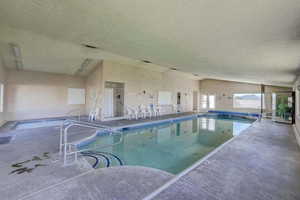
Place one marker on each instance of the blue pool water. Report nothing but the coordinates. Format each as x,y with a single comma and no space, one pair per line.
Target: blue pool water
38,124
170,147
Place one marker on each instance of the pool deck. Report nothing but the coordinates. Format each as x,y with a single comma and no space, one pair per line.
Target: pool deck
262,163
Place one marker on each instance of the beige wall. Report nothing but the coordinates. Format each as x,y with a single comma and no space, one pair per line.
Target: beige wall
3,81
31,95
94,87
224,91
139,79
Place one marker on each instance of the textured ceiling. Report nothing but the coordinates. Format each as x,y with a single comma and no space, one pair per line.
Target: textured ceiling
254,41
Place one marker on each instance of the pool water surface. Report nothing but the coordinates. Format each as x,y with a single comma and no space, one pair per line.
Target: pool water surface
171,147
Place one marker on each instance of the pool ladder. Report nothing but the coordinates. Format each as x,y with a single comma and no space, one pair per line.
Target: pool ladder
65,147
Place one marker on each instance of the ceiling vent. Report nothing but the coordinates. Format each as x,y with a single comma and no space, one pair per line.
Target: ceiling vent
90,46
146,61
173,68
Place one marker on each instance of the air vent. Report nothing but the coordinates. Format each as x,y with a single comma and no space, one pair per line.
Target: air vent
146,61
173,68
90,46
196,74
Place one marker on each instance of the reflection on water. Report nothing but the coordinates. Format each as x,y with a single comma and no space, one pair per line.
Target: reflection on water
208,123
172,147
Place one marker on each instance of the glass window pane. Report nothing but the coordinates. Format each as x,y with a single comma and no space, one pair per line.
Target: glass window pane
249,100
204,101
211,101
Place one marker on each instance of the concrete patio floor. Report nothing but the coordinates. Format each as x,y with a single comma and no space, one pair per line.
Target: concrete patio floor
263,163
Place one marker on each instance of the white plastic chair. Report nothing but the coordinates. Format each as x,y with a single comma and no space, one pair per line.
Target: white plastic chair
176,108
143,111
132,113
150,110
97,114
156,110
94,114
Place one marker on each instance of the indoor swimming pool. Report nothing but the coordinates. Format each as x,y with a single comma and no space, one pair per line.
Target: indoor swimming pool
171,147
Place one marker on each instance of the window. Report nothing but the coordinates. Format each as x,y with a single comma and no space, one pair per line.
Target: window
211,101
249,100
208,101
203,101
1,97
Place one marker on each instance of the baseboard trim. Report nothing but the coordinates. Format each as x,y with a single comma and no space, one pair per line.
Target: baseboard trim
297,134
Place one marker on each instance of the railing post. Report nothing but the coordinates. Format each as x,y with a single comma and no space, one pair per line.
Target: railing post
63,146
65,143
61,138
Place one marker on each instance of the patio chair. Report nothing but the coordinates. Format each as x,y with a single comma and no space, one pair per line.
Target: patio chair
143,111
94,114
153,110
132,113
175,108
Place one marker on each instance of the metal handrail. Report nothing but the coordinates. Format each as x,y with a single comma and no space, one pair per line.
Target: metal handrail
78,111
65,122
64,137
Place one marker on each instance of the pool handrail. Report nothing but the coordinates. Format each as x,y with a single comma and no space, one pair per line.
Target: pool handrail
78,111
61,142
64,137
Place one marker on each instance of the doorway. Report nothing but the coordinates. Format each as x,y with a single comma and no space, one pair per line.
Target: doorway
178,98
283,107
113,100
178,101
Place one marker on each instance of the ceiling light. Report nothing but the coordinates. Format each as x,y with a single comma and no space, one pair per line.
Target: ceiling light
17,55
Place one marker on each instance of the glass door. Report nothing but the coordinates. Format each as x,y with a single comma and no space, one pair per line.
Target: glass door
283,107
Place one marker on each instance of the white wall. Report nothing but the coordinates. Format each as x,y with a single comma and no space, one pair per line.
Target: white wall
3,81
